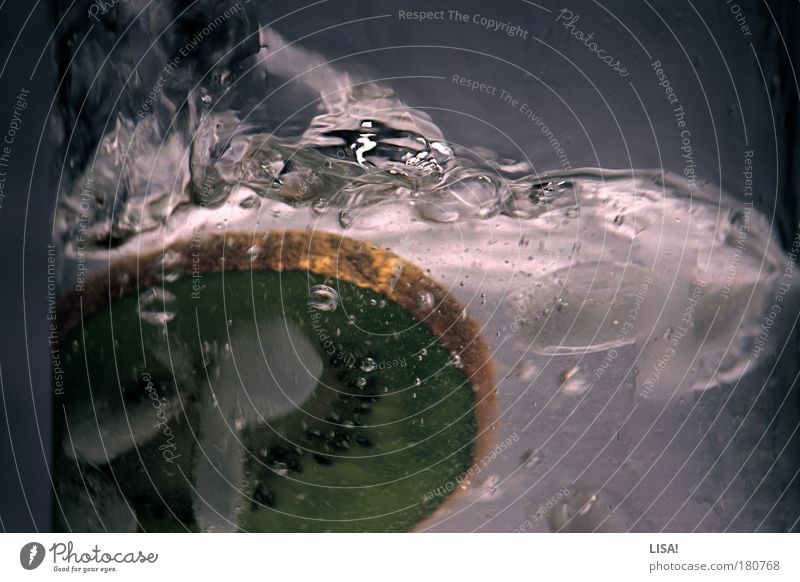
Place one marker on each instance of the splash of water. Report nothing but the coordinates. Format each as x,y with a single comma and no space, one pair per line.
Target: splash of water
588,260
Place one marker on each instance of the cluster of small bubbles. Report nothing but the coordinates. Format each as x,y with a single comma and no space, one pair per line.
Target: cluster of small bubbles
323,298
425,163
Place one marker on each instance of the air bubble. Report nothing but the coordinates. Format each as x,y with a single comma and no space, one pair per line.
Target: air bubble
323,298
425,300
345,220
368,365
253,252
250,202
169,267
320,205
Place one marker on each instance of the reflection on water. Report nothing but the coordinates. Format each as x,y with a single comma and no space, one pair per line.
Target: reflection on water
633,315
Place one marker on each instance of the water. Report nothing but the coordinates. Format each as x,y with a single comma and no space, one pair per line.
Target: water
630,314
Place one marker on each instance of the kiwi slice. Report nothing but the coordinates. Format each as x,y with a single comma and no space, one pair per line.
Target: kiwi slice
293,381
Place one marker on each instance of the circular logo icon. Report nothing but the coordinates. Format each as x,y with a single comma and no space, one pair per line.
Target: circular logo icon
31,555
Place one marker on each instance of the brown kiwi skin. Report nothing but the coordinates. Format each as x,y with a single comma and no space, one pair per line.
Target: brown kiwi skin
321,253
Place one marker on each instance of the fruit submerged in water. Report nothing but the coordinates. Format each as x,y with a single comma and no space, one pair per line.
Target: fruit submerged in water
290,382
